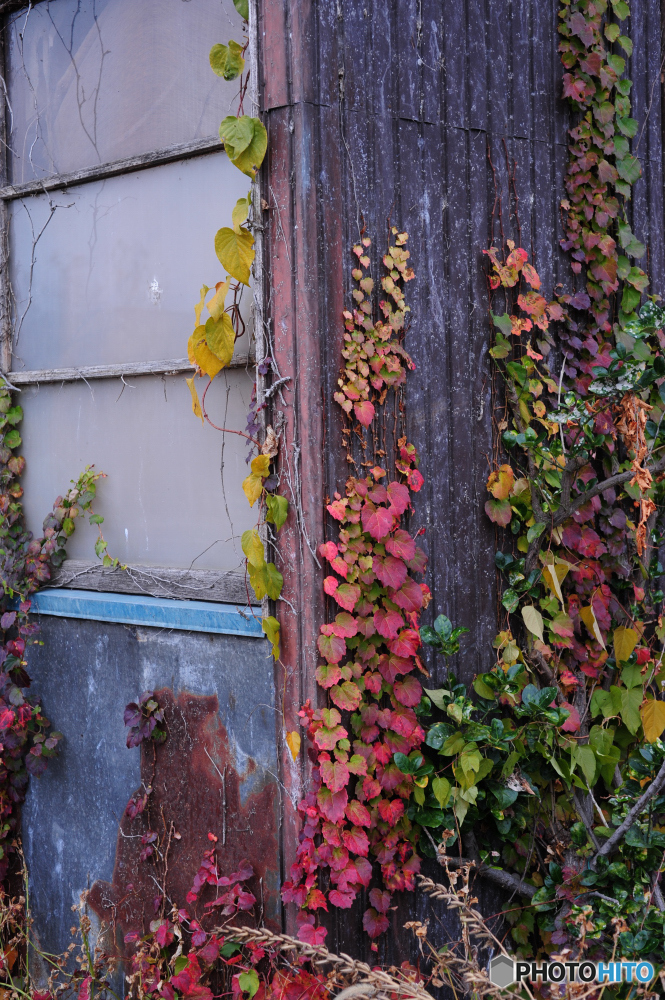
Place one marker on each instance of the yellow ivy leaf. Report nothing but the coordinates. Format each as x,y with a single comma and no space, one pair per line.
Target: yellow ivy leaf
261,465
533,620
240,212
198,308
227,60
200,354
653,719
235,252
588,616
252,487
258,578
216,304
625,640
196,406
220,338
252,546
554,575
500,483
271,628
293,743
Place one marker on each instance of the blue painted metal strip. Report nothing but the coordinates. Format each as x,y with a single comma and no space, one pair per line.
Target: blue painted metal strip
134,609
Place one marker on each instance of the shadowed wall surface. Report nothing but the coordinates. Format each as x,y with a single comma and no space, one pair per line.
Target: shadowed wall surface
445,119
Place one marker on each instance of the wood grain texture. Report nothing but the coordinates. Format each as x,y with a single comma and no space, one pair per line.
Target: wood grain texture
154,581
389,111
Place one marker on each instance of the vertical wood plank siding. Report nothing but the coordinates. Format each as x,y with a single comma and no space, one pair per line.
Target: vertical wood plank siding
387,109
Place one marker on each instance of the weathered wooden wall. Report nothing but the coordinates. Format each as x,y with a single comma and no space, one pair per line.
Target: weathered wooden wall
381,109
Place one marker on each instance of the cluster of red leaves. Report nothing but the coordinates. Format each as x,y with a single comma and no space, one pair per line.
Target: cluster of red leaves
375,359
355,810
236,896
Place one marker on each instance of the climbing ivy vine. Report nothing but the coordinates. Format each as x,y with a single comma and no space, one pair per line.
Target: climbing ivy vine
211,345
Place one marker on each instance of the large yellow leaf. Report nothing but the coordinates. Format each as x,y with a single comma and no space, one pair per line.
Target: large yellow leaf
235,252
220,338
196,406
625,640
200,354
588,616
270,626
554,575
653,719
293,743
533,620
252,546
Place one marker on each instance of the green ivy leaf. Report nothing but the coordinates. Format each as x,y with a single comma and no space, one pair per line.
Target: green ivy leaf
242,6
277,509
621,9
249,982
227,60
246,141
630,299
626,44
12,439
626,125
629,168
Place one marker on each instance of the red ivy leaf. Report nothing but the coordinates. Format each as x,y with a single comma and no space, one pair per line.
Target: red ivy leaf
364,869
409,596
380,900
326,738
406,643
328,550
391,811
346,696
408,691
357,813
330,585
399,497
390,572
312,935
345,625
356,840
572,723
364,412
347,595
335,774
377,520
415,479
387,623
401,545
499,511
375,923
328,674
332,805
343,900
331,647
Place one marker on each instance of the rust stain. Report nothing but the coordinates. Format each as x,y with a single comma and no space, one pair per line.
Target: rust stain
195,787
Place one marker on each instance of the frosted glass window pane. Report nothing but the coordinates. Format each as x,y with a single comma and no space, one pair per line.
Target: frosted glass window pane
97,80
119,264
163,499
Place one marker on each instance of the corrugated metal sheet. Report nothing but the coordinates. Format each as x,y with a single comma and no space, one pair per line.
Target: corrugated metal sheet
389,108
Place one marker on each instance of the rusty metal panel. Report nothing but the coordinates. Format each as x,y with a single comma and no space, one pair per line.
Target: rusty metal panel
435,114
215,772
